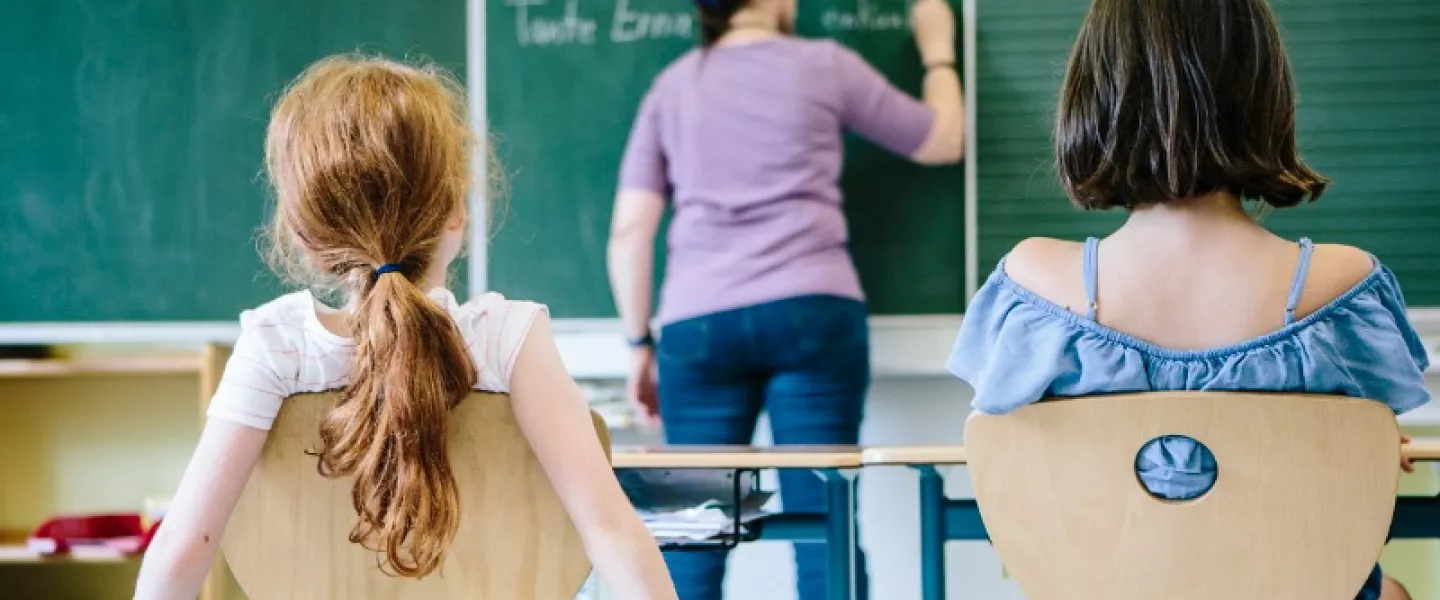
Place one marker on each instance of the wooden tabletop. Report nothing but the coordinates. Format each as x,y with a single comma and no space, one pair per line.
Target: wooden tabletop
1423,449
1418,450
914,455
840,457
736,457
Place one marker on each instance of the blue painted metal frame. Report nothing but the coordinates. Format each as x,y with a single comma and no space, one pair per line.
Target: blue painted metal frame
837,524
932,532
840,559
943,519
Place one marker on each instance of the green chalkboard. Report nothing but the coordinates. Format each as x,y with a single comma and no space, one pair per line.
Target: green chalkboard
130,188
907,222
1368,73
564,81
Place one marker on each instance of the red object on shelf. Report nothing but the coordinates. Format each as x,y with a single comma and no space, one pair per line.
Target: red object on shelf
149,537
120,532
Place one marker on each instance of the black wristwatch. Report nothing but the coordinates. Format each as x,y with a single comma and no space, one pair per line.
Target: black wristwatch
645,341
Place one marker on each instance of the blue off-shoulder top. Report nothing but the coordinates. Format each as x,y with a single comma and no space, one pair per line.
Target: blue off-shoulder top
1015,348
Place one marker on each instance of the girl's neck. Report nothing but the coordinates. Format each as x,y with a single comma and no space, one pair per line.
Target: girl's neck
751,25
1190,218
436,277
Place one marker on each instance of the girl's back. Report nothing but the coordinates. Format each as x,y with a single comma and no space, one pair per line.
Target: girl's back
1209,288
1245,311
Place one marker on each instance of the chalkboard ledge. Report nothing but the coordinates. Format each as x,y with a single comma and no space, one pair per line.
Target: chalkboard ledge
150,332
901,346
594,349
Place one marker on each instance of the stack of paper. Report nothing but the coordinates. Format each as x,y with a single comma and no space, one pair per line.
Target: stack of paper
681,506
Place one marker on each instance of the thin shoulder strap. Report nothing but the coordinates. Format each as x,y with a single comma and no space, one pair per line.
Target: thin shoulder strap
1307,248
1092,273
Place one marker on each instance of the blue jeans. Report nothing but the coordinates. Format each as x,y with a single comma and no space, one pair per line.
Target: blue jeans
806,361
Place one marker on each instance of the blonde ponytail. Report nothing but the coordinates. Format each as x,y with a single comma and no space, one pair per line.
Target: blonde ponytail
388,429
370,164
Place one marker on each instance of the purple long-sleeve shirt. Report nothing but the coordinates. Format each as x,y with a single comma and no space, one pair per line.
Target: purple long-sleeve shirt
747,141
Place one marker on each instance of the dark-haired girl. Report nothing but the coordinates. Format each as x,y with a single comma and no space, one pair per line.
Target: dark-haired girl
1181,113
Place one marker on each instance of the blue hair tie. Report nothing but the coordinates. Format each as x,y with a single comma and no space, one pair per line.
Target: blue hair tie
386,268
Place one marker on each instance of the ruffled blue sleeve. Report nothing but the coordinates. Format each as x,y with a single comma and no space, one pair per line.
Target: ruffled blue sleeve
1369,349
1015,348
981,356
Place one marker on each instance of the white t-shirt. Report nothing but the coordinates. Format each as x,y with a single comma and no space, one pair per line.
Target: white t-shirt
283,350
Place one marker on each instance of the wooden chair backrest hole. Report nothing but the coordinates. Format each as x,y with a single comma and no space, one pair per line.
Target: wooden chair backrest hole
288,537
1198,457
1301,508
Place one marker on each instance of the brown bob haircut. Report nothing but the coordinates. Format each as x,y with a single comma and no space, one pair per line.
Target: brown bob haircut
1172,99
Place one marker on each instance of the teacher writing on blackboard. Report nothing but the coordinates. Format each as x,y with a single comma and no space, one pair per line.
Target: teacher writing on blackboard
761,306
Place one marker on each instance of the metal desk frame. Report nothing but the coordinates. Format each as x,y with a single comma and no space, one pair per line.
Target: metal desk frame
837,467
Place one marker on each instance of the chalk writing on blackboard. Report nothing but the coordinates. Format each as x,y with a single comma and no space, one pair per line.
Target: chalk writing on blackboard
535,30
633,26
865,17
536,27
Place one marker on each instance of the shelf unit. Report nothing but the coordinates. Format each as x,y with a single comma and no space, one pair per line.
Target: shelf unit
169,390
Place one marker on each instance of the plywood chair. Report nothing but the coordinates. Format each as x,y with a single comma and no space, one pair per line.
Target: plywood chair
288,537
1300,509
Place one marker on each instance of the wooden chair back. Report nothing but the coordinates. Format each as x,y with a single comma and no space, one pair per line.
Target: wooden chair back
288,537
1300,508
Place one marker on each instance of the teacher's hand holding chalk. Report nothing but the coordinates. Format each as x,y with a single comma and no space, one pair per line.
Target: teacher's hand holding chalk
934,25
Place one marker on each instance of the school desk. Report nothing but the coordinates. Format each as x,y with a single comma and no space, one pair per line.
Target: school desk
836,466
943,519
